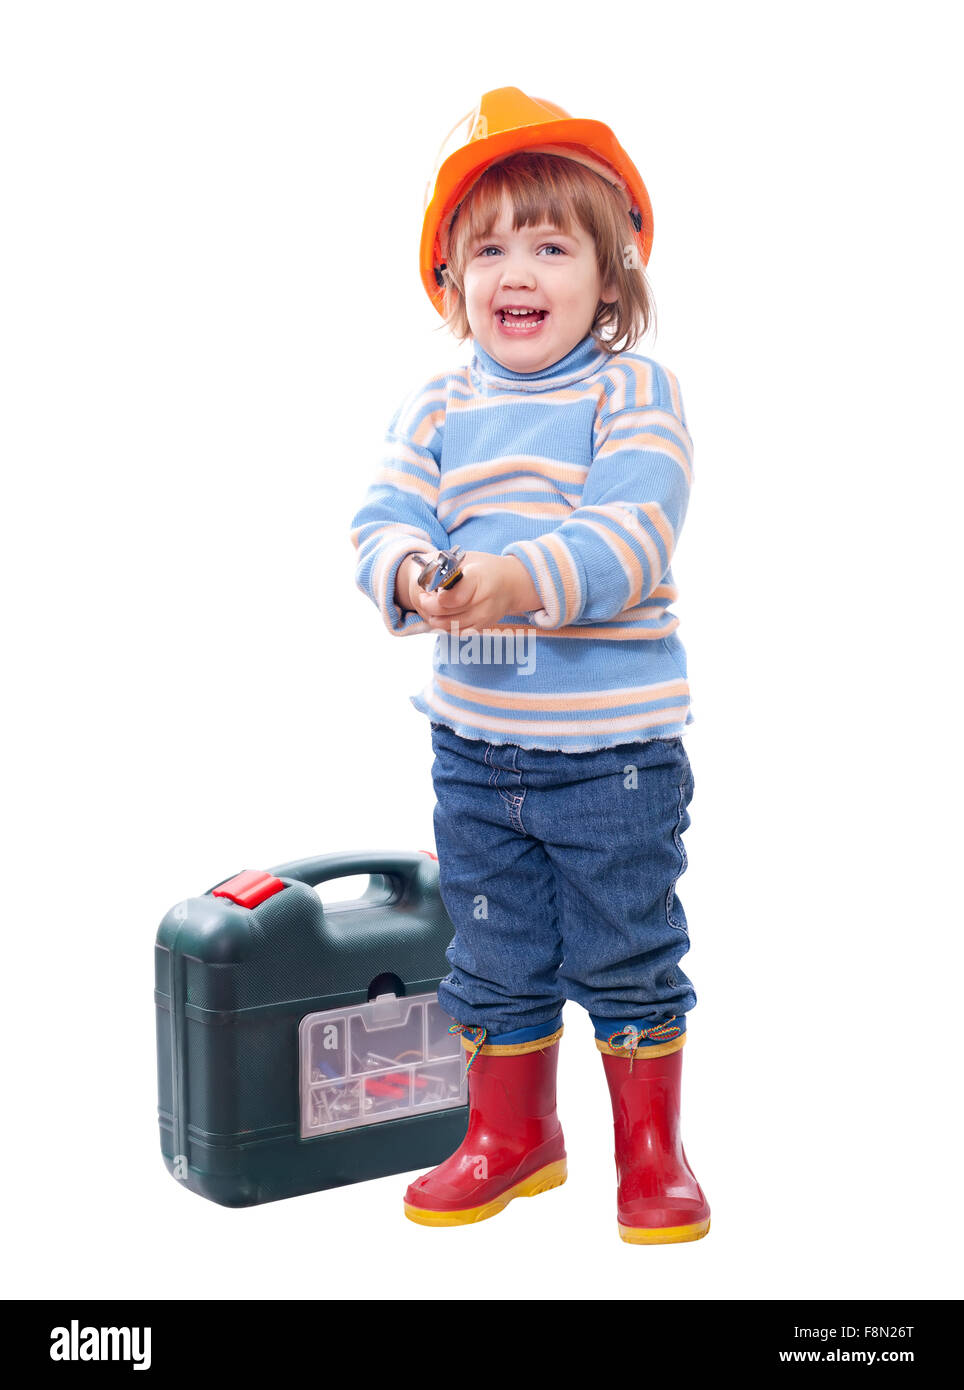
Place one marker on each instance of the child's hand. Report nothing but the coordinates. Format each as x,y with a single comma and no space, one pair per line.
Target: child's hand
491,586
408,594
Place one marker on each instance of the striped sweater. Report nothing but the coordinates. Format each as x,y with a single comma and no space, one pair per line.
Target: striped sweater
582,471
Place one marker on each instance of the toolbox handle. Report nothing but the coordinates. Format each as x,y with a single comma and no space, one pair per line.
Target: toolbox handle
399,868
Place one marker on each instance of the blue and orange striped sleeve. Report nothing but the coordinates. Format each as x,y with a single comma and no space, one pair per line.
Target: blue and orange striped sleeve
398,515
613,550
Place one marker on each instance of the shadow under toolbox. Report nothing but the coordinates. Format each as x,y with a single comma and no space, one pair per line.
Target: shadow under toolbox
300,1045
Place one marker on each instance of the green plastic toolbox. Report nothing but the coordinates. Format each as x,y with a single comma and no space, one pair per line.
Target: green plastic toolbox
300,1045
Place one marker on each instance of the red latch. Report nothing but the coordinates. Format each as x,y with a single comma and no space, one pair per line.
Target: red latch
249,888
429,853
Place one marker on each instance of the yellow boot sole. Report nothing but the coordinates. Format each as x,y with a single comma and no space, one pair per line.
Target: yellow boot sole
669,1235
553,1175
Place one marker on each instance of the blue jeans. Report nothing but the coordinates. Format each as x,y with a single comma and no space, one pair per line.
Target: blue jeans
559,873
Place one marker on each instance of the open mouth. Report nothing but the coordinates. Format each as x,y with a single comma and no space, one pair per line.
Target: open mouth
525,321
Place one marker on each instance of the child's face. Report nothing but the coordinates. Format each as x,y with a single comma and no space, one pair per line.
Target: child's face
538,267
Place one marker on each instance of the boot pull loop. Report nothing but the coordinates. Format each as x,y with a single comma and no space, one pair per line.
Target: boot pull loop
479,1041
661,1032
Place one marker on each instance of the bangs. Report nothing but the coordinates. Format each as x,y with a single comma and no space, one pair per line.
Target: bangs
534,195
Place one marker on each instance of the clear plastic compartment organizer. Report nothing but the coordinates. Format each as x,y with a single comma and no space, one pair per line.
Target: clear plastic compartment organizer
378,1061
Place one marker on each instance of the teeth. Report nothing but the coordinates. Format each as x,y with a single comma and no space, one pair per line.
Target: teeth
520,311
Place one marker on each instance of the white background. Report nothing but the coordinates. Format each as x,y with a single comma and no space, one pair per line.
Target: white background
210,310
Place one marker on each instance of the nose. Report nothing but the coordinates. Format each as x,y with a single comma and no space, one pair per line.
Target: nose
517,272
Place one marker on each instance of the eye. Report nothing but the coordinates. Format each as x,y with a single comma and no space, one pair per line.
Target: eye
551,246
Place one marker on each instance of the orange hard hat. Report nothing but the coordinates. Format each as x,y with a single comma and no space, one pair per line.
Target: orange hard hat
504,122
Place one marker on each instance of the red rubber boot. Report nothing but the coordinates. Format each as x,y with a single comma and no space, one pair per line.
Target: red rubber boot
659,1201
513,1146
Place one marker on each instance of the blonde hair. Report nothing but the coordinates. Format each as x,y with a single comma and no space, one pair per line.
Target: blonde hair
550,188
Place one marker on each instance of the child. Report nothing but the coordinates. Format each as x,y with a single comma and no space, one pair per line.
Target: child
561,463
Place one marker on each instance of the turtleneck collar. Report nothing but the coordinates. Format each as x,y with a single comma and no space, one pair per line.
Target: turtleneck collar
585,358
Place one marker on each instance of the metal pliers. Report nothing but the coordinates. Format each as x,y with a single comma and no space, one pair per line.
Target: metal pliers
443,571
